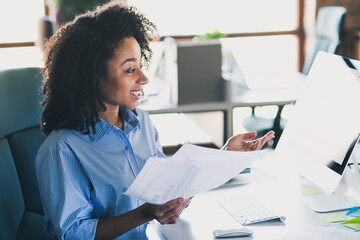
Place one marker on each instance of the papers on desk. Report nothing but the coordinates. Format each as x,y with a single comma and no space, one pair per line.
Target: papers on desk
353,224
322,233
190,171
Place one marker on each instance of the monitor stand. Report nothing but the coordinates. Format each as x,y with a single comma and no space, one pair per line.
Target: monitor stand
345,197
330,202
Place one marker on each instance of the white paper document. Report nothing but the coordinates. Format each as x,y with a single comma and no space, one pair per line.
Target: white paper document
322,233
190,171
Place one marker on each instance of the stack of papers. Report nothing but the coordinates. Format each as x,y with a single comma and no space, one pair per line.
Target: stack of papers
190,171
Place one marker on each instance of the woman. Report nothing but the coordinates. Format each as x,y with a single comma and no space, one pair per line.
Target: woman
98,140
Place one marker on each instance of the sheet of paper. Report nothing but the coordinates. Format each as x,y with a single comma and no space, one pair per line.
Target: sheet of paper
322,233
190,171
203,153
332,218
311,191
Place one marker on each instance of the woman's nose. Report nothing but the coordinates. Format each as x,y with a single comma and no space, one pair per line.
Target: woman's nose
142,78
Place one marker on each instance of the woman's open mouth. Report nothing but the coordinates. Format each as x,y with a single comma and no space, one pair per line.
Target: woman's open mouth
138,94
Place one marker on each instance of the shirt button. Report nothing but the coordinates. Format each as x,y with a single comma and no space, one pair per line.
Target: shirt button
126,148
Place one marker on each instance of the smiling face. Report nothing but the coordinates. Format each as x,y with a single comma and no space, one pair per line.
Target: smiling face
125,79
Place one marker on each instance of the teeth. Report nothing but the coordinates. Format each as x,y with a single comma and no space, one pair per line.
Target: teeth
137,93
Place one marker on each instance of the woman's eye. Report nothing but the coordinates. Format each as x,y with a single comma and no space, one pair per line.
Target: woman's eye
130,70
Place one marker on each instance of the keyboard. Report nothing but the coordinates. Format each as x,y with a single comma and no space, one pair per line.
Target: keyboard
247,210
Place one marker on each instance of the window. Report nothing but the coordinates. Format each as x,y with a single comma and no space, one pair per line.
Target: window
19,20
271,27
189,17
19,32
16,57
264,35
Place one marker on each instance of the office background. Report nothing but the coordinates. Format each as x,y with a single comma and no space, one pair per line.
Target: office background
272,35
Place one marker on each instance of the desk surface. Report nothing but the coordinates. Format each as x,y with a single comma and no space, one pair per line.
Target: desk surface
282,192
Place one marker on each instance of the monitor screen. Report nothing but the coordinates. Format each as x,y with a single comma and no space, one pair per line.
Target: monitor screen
338,165
321,132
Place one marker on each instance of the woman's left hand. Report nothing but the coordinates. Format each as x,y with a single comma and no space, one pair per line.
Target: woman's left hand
167,213
243,142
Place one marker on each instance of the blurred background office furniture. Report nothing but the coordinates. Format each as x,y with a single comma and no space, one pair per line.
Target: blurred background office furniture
279,44
329,32
62,12
46,30
20,138
355,36
193,73
328,35
199,72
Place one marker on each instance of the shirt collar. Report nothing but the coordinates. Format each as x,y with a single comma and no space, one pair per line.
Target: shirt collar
101,128
131,121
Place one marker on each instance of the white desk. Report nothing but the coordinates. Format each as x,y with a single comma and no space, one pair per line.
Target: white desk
204,215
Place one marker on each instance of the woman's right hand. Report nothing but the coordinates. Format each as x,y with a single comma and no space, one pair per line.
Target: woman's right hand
167,213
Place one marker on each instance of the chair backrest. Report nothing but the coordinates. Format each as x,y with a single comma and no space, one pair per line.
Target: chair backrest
329,27
21,213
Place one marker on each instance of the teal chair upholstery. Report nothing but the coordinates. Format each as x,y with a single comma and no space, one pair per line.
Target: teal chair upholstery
21,213
329,29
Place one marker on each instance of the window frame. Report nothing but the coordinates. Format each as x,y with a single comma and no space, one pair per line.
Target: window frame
298,32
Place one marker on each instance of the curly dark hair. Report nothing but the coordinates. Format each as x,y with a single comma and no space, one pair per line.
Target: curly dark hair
75,63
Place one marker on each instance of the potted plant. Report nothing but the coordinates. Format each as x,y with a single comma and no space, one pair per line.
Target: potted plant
210,36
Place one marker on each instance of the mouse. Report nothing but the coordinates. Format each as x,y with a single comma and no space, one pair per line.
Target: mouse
235,232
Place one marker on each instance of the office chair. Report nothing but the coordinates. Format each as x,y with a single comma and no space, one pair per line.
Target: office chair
329,28
21,213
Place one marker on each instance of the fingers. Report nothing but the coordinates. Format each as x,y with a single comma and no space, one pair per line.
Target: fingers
253,145
270,134
244,142
264,139
169,212
257,144
172,216
249,135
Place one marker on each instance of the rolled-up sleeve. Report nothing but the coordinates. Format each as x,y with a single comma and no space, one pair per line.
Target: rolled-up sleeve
65,194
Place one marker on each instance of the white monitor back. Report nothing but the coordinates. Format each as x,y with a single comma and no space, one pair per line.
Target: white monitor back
325,121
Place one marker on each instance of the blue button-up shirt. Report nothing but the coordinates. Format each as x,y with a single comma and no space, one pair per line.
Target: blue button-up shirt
82,177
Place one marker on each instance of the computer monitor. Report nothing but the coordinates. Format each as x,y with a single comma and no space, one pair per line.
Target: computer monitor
323,131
